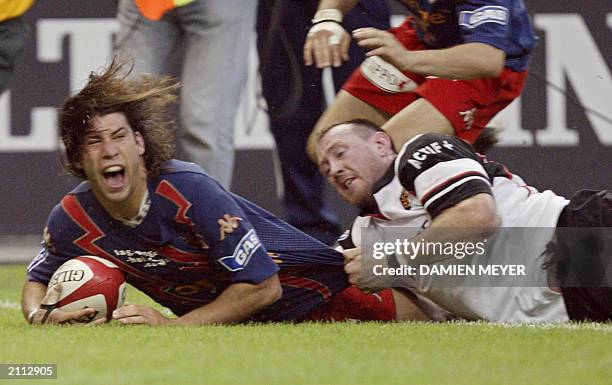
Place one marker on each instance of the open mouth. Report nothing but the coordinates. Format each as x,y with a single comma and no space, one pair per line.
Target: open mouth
114,176
347,183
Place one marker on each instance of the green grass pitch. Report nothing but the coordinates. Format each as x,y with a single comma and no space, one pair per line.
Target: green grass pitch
342,353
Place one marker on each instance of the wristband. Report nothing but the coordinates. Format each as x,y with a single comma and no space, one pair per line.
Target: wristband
330,14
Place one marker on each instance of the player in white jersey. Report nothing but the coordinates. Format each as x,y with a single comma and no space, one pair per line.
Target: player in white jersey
439,182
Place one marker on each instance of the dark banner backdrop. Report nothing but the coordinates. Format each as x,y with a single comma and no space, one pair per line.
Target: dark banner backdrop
559,136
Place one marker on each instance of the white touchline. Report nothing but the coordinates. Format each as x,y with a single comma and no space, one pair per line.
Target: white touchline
570,326
558,325
6,304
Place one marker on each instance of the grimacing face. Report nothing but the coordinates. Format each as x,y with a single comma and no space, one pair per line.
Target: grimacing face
353,164
111,157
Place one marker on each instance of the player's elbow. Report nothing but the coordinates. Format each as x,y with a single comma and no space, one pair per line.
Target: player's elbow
491,61
494,67
270,291
274,294
490,222
488,218
482,214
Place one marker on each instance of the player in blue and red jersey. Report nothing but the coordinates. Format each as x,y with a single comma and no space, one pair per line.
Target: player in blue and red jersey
208,255
449,68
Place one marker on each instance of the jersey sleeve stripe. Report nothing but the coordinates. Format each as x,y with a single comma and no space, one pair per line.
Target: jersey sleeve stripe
446,188
40,258
442,174
443,186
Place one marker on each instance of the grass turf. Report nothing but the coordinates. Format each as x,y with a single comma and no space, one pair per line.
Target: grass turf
342,353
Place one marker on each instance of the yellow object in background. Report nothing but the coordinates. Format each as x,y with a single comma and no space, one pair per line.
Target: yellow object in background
13,8
155,9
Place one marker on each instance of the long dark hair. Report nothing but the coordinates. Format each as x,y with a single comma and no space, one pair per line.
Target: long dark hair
147,102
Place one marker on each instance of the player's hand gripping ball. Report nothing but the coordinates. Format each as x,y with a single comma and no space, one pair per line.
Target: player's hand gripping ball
90,282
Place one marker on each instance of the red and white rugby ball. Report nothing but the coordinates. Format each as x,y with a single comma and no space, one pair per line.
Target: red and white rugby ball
93,282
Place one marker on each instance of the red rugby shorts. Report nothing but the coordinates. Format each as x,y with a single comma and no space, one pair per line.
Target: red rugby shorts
468,104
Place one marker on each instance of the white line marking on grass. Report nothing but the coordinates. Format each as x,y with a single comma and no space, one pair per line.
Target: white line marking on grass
6,304
605,327
572,326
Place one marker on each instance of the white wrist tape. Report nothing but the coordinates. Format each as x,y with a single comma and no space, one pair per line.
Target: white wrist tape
331,26
327,14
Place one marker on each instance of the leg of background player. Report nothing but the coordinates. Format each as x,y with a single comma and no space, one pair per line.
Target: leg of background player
345,107
418,117
14,34
148,43
294,97
295,106
217,38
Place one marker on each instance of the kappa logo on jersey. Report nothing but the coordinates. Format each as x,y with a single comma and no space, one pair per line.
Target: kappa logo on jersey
227,225
405,199
428,18
420,155
468,118
486,14
243,252
427,15
434,18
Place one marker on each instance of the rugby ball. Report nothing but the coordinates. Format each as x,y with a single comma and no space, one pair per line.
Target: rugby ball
90,282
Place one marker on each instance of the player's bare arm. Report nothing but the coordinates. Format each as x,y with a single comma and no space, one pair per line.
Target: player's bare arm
38,305
327,43
235,304
476,217
472,219
464,61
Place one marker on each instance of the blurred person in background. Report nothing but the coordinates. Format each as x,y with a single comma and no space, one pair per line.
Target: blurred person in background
214,36
295,98
14,34
449,68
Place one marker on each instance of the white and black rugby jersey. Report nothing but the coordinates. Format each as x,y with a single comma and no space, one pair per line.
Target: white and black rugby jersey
434,172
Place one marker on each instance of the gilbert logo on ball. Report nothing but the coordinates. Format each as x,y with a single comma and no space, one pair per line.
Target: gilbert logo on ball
92,282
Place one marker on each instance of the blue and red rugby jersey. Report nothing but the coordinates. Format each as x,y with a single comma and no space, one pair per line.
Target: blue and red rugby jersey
195,241
504,24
